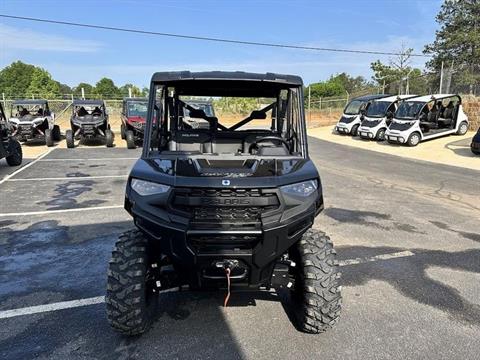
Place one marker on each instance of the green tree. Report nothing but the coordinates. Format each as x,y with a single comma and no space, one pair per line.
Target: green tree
16,78
136,92
42,85
351,84
106,88
331,87
87,88
457,42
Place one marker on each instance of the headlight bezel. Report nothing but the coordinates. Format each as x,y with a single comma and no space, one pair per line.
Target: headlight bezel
148,188
302,189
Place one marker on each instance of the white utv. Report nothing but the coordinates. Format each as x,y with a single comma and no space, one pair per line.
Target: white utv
427,117
353,114
32,119
378,117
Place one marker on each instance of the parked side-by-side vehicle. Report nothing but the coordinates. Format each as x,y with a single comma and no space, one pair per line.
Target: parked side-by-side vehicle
89,120
427,117
198,123
10,148
353,114
32,119
378,117
224,207
475,145
134,113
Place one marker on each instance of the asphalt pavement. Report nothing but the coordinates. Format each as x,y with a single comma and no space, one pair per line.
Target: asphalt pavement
407,234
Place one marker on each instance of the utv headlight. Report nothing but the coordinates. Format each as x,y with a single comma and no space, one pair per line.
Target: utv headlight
304,189
145,188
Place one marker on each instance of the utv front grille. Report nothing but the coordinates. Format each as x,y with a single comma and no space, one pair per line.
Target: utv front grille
224,206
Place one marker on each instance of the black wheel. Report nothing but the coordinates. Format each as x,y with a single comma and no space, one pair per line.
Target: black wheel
109,138
15,156
130,137
413,139
315,296
130,298
69,139
56,133
354,131
48,137
122,131
476,152
463,128
380,135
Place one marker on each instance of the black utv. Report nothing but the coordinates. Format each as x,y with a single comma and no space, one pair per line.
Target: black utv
10,148
224,207
89,120
134,113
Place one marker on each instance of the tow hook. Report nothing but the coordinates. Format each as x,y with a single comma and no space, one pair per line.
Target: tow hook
227,266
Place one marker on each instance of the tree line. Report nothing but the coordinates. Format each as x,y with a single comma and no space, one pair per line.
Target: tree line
19,80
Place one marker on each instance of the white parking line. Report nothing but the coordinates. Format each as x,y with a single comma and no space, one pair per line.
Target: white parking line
375,258
26,166
101,299
29,213
71,178
99,159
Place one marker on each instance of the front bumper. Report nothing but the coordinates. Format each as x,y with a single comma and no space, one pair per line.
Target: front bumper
394,138
366,133
195,245
342,130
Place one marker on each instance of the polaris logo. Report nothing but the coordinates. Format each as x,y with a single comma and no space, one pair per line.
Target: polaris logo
225,182
224,201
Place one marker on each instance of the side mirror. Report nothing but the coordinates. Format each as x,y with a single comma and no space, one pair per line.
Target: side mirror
389,115
258,115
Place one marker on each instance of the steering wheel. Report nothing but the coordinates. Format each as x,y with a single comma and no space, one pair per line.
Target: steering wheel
268,138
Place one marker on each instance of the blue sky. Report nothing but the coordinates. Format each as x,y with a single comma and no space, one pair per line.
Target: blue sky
73,55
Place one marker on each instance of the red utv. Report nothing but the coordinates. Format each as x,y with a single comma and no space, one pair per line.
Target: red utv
134,113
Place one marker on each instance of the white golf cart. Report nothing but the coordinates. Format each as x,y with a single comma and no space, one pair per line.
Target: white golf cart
378,116
353,114
427,117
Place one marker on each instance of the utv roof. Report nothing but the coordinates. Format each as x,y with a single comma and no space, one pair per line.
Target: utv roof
87,102
132,99
174,76
394,98
371,97
428,98
30,102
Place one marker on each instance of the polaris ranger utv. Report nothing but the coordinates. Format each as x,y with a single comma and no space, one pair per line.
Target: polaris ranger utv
32,119
89,120
134,113
224,207
10,148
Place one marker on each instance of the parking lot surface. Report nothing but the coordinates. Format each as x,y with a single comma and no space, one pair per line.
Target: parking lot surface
406,232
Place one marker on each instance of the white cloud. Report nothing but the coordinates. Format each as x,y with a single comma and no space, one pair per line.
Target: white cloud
26,39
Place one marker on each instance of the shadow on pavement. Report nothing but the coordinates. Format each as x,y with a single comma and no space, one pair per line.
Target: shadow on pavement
408,275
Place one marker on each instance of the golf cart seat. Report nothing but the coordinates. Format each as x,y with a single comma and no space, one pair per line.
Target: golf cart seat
447,118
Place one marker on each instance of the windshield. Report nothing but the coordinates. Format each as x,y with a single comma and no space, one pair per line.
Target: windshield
353,107
84,110
378,109
409,110
138,108
227,119
20,110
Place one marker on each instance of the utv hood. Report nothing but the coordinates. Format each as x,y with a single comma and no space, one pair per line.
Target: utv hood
136,119
237,172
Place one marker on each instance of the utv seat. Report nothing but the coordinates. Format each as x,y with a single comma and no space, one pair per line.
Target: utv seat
199,140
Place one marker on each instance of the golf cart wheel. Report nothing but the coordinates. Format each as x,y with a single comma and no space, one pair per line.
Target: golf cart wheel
122,131
48,137
15,156
463,128
130,138
130,299
109,138
354,131
413,139
380,135
315,296
56,133
69,139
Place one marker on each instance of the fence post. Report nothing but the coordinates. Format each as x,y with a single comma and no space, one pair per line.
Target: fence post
130,92
320,103
83,93
4,102
309,104
441,79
